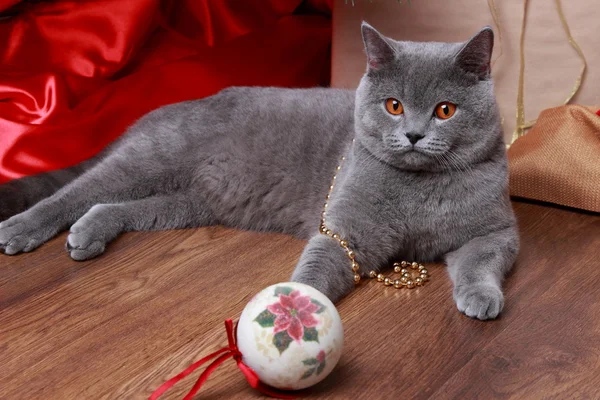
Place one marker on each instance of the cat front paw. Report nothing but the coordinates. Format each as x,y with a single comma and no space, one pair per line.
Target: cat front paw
482,301
334,286
89,236
20,234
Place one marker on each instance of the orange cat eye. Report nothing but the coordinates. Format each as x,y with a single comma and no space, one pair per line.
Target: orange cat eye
393,106
445,110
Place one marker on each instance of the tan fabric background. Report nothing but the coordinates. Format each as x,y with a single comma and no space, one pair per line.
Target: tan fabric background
551,63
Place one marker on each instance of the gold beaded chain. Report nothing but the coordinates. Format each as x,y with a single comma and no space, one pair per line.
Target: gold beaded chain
407,280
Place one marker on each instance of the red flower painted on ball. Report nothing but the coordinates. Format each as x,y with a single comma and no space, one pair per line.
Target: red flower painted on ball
321,357
293,314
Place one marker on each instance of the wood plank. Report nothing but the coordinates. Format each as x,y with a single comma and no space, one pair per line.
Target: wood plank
120,325
551,346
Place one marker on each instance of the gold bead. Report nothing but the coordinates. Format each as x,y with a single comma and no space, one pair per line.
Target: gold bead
343,243
336,236
322,228
397,268
403,271
421,266
387,281
410,284
397,284
424,272
380,277
396,264
356,278
404,263
328,232
404,279
355,266
414,265
331,187
373,274
407,275
350,254
424,277
419,281
338,168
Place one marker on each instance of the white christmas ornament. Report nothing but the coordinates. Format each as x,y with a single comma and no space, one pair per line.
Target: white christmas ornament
291,335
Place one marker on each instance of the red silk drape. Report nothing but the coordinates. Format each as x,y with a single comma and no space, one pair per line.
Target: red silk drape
75,74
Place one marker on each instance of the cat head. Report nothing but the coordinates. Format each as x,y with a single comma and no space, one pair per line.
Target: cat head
427,106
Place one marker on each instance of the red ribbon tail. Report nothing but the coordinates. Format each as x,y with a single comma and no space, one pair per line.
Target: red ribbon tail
229,352
209,370
168,384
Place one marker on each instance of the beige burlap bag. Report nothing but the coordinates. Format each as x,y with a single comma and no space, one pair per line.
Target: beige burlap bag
558,160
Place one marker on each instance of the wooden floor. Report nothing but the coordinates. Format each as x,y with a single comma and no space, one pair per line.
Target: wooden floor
118,326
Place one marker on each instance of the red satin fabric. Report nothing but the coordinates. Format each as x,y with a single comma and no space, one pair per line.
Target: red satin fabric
75,74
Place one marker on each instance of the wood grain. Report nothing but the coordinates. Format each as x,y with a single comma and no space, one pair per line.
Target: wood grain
118,326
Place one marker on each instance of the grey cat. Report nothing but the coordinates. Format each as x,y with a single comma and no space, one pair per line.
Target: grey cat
425,178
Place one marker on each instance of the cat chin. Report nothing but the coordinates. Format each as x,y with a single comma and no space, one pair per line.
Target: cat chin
416,160
410,160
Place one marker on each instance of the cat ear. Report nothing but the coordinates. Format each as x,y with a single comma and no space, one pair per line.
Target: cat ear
379,51
475,55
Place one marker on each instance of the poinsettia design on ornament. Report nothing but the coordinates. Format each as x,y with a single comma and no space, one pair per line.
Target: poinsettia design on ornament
294,313
292,317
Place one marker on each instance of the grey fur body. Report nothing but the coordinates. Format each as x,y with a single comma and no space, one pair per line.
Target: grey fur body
263,159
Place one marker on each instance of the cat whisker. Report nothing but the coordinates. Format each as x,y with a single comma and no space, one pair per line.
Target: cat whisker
449,162
431,150
437,142
367,162
439,149
440,159
455,161
460,161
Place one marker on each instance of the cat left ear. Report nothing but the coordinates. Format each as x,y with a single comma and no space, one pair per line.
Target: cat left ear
475,55
379,51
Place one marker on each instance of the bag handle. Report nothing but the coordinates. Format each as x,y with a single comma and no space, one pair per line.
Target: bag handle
522,125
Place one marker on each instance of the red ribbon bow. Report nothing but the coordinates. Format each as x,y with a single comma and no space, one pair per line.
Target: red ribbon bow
231,351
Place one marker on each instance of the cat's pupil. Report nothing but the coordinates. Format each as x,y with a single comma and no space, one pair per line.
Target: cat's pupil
445,109
395,105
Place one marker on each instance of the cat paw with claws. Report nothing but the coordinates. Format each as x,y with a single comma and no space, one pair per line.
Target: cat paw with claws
481,301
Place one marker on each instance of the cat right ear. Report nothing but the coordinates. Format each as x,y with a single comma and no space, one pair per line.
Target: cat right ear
476,54
379,51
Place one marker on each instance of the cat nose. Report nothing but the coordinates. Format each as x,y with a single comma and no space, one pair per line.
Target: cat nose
414,137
